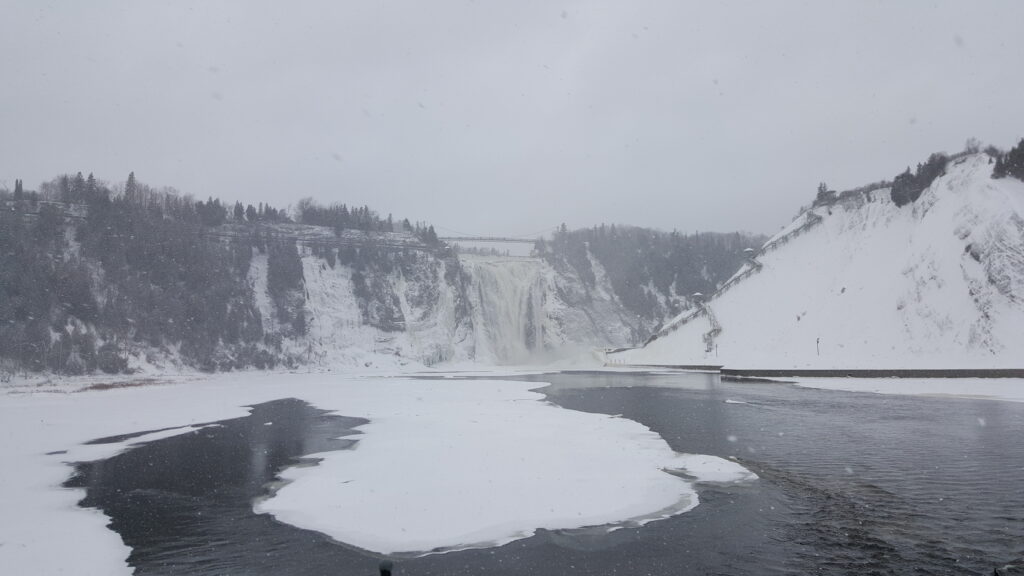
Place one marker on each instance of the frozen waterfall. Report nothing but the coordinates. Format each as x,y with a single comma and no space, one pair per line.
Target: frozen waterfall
508,308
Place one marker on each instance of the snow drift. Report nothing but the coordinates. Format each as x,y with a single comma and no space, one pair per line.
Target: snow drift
862,283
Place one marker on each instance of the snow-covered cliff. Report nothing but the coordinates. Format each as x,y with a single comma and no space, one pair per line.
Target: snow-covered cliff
493,309
862,283
524,310
344,329
132,284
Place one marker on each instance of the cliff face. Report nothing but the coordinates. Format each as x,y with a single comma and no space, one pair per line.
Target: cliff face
863,283
402,307
525,310
150,281
140,293
427,309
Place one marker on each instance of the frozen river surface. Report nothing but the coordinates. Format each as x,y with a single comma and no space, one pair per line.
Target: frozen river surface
849,483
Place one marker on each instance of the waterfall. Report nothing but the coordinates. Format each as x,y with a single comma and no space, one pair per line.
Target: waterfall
508,308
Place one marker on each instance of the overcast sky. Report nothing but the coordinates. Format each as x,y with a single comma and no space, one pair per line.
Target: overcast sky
506,117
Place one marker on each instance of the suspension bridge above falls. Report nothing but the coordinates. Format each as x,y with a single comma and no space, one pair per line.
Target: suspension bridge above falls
492,239
517,247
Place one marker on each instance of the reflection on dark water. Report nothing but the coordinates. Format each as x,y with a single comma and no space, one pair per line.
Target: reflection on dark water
850,484
184,503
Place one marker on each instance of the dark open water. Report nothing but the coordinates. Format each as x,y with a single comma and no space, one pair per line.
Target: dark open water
850,484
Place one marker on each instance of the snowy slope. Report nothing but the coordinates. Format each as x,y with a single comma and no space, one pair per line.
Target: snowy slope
938,283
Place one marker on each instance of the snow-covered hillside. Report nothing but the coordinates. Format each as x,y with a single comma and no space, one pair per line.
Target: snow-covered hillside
862,283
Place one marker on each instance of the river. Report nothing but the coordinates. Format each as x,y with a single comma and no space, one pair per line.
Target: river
850,483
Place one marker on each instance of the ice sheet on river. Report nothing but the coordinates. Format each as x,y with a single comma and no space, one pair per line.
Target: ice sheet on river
442,464
480,463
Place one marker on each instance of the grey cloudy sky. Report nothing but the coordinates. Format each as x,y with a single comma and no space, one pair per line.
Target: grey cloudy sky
506,117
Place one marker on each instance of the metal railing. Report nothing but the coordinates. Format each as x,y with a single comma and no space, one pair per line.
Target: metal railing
753,266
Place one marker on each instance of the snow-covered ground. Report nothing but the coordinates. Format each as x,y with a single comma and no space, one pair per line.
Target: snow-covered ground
1007,389
454,463
935,284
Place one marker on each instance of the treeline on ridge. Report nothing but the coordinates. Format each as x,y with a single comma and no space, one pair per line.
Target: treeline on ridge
1011,163
653,273
340,217
906,187
89,273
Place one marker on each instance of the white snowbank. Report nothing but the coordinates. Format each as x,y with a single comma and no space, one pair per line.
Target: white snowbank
1008,389
450,463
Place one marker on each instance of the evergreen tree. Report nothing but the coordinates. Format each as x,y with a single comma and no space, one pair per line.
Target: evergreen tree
77,188
1011,164
90,188
429,237
901,186
130,187
999,170
212,212
64,185
907,187
824,194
